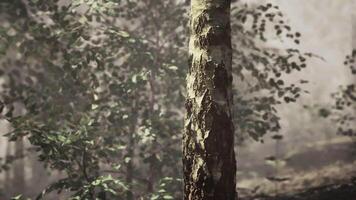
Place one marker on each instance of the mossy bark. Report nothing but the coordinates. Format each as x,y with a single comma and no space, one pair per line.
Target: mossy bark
208,141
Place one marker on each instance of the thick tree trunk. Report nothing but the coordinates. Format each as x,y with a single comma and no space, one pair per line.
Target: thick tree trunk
208,141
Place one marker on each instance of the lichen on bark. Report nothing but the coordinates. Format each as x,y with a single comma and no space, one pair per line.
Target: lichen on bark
208,141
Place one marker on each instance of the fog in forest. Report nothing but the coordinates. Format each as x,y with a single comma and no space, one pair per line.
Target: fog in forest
308,152
327,32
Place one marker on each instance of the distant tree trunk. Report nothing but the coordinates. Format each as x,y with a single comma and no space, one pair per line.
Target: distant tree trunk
208,141
129,167
130,154
39,175
8,178
19,167
15,176
353,21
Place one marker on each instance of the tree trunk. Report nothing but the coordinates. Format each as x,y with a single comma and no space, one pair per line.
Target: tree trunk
19,167
129,165
8,178
208,141
353,21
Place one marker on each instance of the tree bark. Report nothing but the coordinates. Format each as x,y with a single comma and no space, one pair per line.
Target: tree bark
208,141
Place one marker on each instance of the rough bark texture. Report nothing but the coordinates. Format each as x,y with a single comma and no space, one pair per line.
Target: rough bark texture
208,142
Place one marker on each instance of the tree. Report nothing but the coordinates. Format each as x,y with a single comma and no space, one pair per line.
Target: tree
90,51
208,141
343,110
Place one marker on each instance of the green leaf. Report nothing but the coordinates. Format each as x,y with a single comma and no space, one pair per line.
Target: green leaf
18,197
123,34
172,67
167,197
155,197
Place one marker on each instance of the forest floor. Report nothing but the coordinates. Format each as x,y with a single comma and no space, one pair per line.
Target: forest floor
346,191
311,174
329,183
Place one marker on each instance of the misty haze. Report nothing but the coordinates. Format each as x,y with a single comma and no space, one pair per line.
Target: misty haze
177,99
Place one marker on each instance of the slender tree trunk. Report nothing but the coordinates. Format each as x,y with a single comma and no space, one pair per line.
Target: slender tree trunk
19,167
353,21
8,178
208,141
39,175
129,165
152,168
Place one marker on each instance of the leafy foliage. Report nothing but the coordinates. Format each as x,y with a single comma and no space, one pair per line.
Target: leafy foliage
343,111
259,68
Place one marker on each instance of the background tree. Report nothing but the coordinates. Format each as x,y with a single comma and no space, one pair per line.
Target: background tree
343,111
